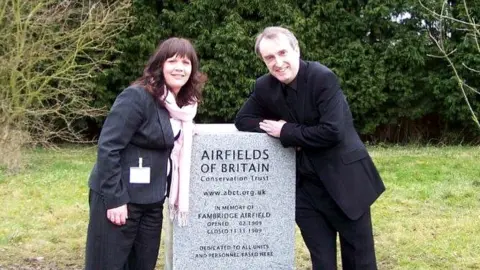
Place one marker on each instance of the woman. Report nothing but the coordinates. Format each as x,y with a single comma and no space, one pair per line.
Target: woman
128,183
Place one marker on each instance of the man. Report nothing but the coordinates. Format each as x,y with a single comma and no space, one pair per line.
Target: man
302,104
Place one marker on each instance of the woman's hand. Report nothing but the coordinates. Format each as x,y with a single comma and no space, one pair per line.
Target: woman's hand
118,215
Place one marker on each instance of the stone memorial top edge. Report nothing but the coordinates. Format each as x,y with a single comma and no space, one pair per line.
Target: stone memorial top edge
216,129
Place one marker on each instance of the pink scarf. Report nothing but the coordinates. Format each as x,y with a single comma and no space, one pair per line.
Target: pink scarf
181,159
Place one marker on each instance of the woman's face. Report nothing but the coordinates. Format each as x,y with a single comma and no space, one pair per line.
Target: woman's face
176,71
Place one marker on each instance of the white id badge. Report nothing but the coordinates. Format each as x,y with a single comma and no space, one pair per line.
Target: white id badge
140,175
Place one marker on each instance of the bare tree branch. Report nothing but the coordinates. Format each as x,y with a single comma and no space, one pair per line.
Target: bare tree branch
51,50
440,43
442,16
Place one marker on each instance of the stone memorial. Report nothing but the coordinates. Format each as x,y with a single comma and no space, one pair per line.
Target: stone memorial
242,203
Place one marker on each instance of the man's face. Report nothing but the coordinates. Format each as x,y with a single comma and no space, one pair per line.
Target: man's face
281,59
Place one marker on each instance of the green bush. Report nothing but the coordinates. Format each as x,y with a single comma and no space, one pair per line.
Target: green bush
396,90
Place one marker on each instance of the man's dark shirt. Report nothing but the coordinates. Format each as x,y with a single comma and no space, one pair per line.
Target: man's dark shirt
304,166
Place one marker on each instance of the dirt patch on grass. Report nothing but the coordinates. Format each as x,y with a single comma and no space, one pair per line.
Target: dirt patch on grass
38,264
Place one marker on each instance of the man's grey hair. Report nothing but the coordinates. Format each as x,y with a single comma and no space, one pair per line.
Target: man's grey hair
273,32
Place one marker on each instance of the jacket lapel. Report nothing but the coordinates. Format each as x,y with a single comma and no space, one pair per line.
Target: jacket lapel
164,121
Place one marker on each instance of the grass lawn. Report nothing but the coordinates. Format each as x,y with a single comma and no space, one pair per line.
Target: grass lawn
429,217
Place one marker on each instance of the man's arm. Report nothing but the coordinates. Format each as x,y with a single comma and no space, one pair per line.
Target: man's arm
251,114
331,126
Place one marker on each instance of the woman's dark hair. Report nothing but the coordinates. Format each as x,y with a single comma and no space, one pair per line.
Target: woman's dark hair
154,82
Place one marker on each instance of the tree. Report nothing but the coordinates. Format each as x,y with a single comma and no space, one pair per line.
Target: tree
50,52
379,50
456,34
